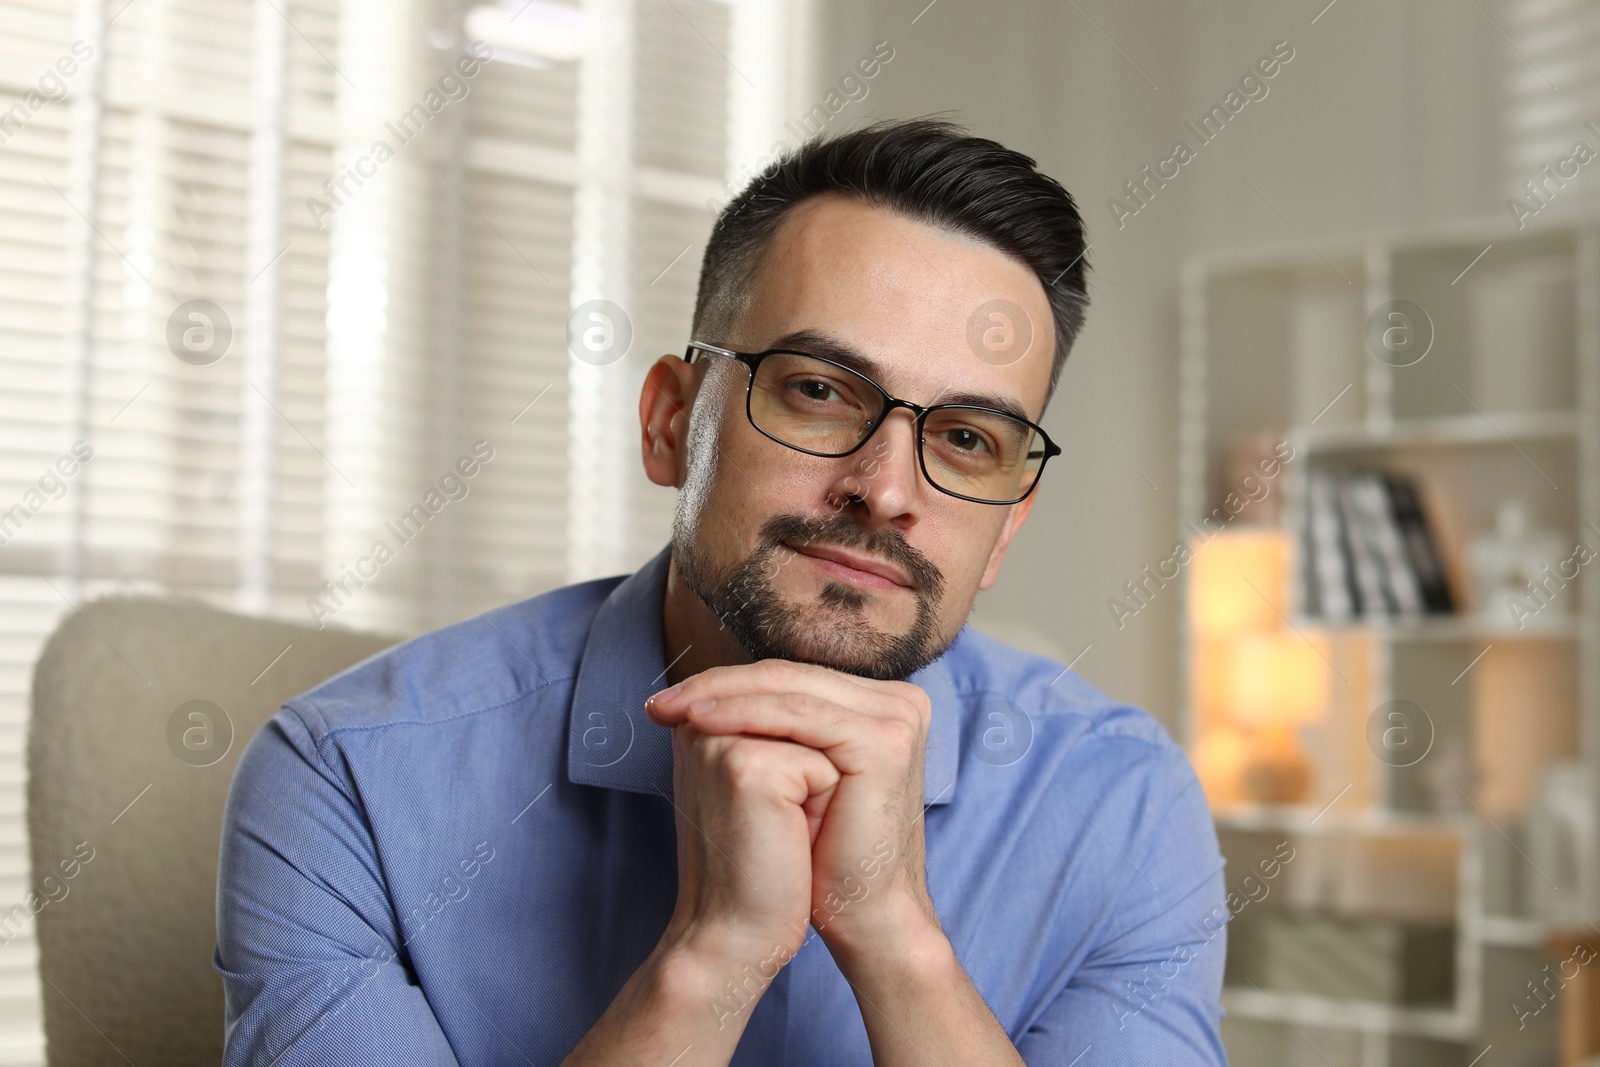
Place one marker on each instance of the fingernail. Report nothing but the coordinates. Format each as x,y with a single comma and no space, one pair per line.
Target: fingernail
668,693
703,705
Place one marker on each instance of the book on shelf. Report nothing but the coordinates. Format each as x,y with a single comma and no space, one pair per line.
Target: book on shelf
1380,526
1370,551
1372,593
1330,593
1422,548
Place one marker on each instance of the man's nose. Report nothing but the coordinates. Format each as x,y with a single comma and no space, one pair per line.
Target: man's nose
883,474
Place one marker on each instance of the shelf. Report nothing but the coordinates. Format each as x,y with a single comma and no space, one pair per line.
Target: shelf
1445,628
1508,932
1310,1010
1274,347
1495,428
1298,818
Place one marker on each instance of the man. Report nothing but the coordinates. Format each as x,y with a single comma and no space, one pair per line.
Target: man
853,830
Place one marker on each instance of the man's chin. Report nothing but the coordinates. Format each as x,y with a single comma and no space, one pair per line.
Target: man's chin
851,657
841,637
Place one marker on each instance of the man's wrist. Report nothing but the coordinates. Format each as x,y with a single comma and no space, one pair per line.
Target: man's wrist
708,957
717,947
721,975
681,975
677,997
913,946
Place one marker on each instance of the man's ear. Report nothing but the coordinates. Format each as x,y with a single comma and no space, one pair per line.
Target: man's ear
1014,520
664,406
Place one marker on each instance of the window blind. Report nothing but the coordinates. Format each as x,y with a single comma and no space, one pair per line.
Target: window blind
192,180
1552,89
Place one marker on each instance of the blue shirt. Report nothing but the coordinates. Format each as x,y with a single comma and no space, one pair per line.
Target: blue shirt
458,851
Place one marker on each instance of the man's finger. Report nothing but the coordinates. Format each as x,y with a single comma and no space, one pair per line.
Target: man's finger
854,742
867,695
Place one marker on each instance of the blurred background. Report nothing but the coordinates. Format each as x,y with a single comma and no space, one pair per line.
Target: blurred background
274,274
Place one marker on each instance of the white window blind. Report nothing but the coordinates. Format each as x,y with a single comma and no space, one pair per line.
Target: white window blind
1552,91
376,334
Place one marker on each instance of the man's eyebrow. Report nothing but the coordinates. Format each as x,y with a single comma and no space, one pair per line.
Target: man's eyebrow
815,343
987,400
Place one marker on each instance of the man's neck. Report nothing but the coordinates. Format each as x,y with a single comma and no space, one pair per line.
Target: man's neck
692,637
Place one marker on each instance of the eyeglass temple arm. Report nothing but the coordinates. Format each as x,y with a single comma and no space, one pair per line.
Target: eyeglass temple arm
696,347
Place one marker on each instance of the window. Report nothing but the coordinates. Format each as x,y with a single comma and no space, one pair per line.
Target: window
281,263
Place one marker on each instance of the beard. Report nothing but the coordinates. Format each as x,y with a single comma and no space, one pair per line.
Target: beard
834,630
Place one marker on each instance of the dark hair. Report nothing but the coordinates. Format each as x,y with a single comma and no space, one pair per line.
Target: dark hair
926,169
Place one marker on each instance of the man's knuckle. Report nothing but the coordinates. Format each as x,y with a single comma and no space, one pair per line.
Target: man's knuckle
745,763
897,736
782,670
917,700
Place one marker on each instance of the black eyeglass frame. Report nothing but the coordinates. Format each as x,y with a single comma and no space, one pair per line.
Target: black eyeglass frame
752,360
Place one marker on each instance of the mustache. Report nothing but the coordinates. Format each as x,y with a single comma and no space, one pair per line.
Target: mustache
843,532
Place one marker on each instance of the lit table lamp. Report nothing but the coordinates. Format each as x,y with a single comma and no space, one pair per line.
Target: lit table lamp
1279,683
1236,582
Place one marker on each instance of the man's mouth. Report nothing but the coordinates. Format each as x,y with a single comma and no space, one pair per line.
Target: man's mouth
852,566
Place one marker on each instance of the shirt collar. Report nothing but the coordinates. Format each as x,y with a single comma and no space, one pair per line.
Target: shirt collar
612,743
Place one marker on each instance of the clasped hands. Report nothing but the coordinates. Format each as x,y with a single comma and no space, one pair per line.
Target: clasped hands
799,793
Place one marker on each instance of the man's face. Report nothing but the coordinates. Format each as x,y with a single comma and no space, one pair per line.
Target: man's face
755,518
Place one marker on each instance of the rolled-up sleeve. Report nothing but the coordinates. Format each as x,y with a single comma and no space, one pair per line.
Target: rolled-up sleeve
313,967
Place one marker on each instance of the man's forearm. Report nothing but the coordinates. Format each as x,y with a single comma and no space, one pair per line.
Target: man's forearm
921,1008
666,1013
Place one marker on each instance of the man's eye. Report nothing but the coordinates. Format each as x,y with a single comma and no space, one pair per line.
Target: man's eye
967,439
815,390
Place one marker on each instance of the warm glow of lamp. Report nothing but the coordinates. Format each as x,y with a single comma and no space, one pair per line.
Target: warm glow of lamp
1220,761
1236,581
1278,680
1255,679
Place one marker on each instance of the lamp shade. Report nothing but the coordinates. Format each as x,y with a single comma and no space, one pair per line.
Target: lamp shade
1278,680
1237,582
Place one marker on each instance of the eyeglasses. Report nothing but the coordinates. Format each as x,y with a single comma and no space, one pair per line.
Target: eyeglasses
823,408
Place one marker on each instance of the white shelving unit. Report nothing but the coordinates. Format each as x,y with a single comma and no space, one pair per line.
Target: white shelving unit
1275,342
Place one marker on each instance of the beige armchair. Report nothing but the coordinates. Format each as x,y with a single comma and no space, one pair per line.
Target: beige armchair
117,764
